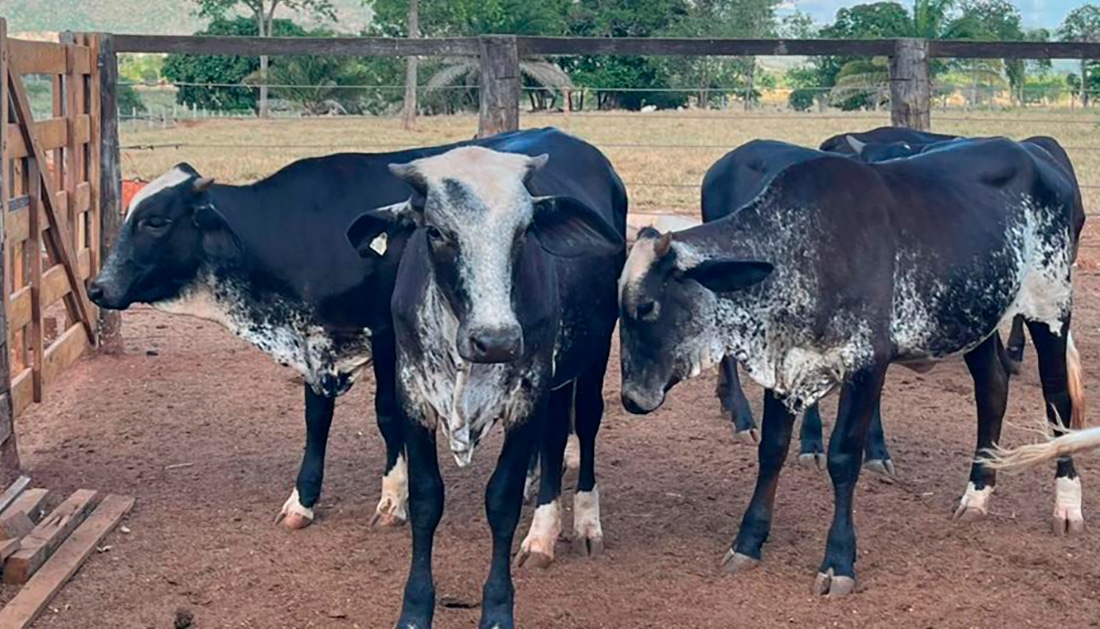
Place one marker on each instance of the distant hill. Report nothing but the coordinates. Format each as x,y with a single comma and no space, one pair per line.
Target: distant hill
154,17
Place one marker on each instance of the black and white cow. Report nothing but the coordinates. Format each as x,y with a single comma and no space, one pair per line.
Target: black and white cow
504,309
740,175
270,262
840,268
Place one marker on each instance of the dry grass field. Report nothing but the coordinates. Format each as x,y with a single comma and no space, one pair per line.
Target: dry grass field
664,148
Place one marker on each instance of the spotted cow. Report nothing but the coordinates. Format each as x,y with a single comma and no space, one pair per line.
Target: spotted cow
840,268
504,309
269,261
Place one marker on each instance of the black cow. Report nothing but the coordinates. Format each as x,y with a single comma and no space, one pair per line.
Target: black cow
270,262
840,268
504,308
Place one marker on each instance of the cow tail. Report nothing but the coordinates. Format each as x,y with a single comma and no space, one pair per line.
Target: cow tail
1075,385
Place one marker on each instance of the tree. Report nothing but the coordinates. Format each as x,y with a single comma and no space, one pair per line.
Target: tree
212,82
1082,25
263,13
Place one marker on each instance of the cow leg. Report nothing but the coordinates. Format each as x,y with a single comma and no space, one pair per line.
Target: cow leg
876,457
503,502
425,511
837,575
991,397
537,549
588,411
1015,346
733,400
1054,373
297,512
531,485
745,552
391,509
811,451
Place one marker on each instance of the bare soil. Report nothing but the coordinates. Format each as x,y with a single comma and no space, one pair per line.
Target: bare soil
207,434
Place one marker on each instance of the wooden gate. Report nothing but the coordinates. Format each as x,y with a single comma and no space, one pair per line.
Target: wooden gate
49,199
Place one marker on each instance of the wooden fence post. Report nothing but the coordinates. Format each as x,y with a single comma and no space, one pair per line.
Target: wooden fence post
910,88
110,182
500,85
9,452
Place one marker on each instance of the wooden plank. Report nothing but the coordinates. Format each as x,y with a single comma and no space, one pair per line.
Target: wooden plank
109,219
281,46
34,329
499,86
29,502
66,350
53,133
55,285
8,548
666,46
13,491
32,599
58,234
8,451
910,87
36,57
22,392
95,140
18,223
15,525
47,536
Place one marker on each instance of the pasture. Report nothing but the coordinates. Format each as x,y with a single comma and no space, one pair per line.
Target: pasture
206,432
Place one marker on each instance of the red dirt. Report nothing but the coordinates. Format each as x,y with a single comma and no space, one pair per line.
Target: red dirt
674,484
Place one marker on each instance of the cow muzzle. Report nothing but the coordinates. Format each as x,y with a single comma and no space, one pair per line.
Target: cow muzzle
101,295
500,344
638,402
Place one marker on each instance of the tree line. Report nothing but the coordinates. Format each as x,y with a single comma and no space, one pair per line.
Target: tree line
347,85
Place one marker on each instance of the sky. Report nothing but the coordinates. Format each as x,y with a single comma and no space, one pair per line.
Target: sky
1036,13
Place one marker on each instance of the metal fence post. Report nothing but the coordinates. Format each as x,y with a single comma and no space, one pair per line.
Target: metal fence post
500,85
910,88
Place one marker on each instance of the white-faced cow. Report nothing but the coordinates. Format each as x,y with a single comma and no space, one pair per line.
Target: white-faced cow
840,268
270,262
504,308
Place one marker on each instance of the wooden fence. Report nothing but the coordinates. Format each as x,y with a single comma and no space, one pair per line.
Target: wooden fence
49,195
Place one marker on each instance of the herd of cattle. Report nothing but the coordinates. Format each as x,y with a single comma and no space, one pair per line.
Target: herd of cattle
483,281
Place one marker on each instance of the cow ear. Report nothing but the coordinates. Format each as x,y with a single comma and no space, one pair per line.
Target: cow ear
535,164
725,275
856,145
218,238
370,233
411,175
568,228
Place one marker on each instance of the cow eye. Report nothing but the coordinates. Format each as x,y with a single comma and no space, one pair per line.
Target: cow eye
155,223
648,310
435,236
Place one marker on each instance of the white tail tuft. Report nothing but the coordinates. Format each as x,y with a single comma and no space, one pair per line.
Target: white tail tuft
1035,453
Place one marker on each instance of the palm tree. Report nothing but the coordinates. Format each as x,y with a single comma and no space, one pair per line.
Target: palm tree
930,19
466,71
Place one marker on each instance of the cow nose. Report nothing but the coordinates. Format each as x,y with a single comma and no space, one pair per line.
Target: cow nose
495,345
95,293
637,403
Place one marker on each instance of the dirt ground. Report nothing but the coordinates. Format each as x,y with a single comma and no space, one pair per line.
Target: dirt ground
207,433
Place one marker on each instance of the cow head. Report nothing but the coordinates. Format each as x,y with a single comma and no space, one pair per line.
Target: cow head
668,311
171,228
472,208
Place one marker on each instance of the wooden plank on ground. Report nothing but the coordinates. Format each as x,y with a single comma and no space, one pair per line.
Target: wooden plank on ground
13,491
21,611
30,502
8,548
47,536
15,525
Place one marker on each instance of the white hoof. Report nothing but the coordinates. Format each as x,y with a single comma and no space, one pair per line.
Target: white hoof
974,504
587,530
293,515
537,549
391,510
1068,518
